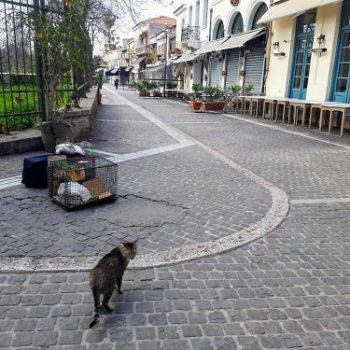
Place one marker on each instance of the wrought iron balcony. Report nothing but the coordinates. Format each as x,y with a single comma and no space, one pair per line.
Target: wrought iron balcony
145,49
191,35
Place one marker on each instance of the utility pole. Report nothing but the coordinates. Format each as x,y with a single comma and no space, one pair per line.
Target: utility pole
166,56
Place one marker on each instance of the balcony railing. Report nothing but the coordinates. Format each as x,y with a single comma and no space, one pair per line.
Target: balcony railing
190,34
146,49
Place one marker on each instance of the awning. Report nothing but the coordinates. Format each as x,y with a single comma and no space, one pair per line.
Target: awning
128,68
185,58
240,39
111,72
137,62
292,8
156,68
210,46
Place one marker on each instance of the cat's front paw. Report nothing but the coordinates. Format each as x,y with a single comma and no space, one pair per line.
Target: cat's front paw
120,290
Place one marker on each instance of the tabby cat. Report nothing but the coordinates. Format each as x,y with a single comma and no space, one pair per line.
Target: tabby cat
109,272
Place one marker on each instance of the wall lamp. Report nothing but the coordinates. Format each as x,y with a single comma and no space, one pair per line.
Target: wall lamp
279,54
276,45
319,50
321,39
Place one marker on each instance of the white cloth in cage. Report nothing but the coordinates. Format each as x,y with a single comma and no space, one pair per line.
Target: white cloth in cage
73,193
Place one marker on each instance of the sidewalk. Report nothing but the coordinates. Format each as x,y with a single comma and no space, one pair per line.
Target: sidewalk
189,183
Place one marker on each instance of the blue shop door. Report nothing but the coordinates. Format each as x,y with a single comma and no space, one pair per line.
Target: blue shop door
304,40
342,73
301,67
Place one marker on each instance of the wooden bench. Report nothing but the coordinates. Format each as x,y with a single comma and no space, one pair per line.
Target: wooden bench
332,107
256,101
244,101
313,109
298,105
269,107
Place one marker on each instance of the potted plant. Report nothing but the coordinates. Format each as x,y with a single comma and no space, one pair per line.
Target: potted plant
143,88
171,86
196,103
214,96
155,87
248,89
60,39
235,89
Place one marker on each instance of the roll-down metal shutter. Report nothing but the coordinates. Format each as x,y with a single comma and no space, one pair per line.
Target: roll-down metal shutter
232,69
215,72
254,68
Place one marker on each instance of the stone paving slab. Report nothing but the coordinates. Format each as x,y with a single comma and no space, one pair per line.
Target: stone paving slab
302,167
289,290
195,207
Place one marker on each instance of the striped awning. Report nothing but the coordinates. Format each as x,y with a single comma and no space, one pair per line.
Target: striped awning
292,8
185,58
238,40
210,46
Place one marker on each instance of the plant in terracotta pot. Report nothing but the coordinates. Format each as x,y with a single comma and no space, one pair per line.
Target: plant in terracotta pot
196,103
155,87
62,47
248,89
214,99
171,86
143,88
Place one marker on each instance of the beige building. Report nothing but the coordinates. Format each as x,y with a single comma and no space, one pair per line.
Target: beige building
309,56
232,44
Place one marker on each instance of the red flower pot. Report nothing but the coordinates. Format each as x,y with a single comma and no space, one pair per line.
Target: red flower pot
99,98
213,106
195,105
144,94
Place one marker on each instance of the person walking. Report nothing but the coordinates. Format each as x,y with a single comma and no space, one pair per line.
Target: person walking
116,82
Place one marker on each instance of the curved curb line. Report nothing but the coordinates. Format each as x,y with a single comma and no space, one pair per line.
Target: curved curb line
273,218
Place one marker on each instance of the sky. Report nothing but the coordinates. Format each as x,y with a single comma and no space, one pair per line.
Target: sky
152,9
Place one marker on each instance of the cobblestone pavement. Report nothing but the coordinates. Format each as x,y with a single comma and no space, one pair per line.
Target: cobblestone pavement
288,290
195,206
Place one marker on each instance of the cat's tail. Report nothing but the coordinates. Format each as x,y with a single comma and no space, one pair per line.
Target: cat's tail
96,294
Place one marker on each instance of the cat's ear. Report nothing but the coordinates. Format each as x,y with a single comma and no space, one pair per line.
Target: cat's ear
134,244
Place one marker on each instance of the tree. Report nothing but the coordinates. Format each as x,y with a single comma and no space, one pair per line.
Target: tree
62,43
102,17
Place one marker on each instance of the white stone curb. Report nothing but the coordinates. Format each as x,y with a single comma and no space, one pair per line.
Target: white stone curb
274,217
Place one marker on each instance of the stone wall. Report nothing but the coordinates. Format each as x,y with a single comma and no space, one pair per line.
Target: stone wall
81,119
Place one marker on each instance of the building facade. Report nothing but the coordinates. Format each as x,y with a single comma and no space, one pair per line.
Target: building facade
232,44
310,54
148,34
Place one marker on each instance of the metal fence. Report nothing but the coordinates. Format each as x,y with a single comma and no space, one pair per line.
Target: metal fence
22,92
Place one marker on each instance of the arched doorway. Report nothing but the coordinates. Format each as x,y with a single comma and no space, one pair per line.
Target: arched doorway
232,63
255,52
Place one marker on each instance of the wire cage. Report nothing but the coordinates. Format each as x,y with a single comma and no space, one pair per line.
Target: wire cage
81,181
